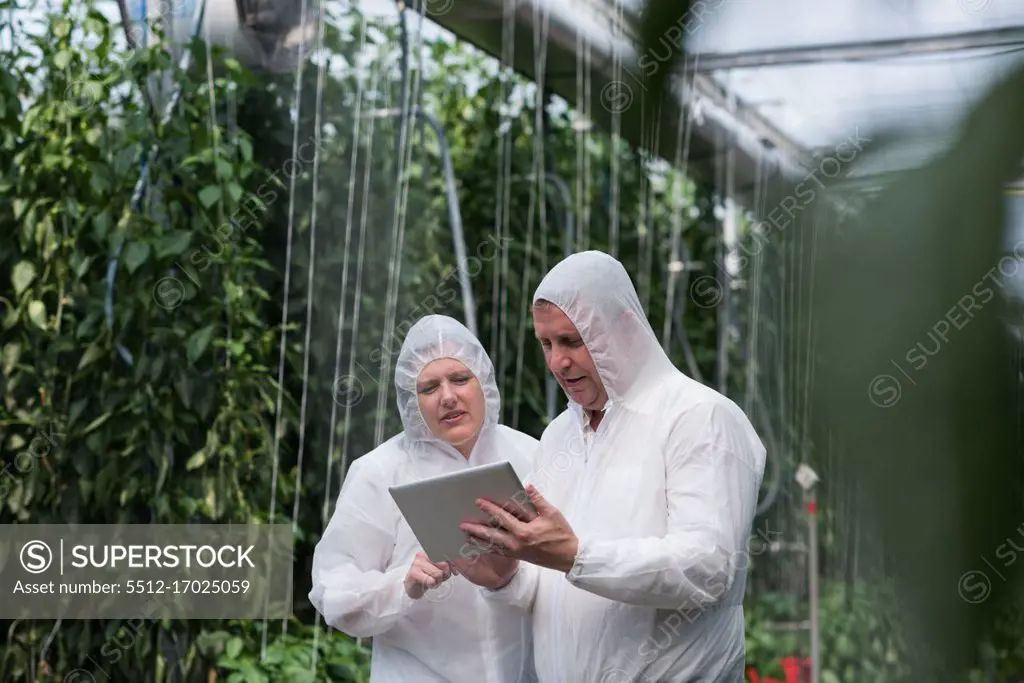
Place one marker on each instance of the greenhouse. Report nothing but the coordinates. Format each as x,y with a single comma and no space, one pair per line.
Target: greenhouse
223,223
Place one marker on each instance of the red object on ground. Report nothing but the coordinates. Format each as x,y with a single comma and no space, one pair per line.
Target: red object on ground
797,671
791,665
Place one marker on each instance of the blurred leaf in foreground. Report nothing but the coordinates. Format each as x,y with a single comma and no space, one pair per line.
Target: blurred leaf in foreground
917,379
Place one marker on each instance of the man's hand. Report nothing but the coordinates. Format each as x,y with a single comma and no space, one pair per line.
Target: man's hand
546,539
489,571
424,574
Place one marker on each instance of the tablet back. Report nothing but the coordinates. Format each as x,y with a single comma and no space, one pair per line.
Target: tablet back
435,507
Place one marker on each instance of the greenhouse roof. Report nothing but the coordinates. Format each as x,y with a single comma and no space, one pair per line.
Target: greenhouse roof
820,72
780,82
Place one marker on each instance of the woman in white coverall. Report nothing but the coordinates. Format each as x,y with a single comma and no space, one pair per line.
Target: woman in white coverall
370,576
635,567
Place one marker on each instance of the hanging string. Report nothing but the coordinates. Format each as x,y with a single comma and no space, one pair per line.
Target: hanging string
398,234
677,263
232,125
588,116
499,282
317,132
809,365
649,142
358,299
754,287
284,320
613,200
581,123
648,237
540,41
728,224
325,513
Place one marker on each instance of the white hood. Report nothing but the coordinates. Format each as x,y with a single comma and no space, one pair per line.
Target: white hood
431,338
595,293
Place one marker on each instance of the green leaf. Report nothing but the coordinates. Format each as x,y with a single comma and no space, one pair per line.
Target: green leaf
135,255
246,146
37,313
234,647
23,275
252,674
12,352
98,181
62,59
197,460
173,243
83,266
95,424
235,190
294,674
93,26
225,662
209,195
183,387
76,410
198,342
101,225
223,169
91,355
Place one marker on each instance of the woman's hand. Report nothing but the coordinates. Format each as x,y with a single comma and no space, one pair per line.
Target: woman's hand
424,575
490,571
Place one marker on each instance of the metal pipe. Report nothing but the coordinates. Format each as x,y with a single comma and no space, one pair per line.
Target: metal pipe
140,188
562,188
773,468
1012,36
568,230
812,571
454,213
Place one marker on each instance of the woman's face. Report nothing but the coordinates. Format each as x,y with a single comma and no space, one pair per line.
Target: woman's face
451,402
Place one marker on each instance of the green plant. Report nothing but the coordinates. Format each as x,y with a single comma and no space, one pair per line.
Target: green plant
861,637
289,656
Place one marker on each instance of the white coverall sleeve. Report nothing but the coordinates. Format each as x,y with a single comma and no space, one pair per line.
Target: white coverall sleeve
520,591
712,481
352,587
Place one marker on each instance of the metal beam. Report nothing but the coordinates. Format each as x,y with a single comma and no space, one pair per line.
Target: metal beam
1012,36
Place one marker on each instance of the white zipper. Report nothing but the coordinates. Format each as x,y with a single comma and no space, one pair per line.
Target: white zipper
491,662
589,440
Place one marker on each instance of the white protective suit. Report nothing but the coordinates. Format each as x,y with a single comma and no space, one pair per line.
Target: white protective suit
451,634
662,498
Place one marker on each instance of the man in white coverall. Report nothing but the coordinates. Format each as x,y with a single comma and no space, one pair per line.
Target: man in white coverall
634,568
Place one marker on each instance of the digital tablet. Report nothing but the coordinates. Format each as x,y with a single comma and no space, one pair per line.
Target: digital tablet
435,507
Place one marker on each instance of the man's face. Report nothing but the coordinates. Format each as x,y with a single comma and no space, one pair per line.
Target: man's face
567,356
